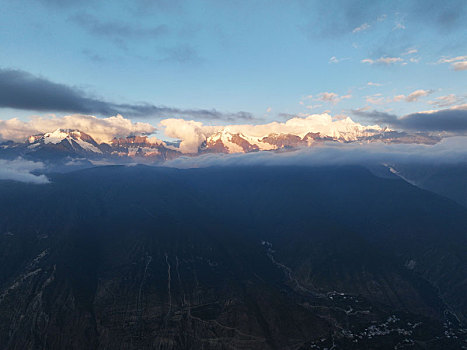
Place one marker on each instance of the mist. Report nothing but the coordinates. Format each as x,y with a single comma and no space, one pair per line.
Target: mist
449,150
21,170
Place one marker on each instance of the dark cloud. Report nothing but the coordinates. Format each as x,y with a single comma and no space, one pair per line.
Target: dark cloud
117,29
453,120
450,120
376,116
22,90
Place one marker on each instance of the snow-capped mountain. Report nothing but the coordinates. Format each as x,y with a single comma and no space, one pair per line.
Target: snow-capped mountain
226,141
73,141
70,144
74,144
140,146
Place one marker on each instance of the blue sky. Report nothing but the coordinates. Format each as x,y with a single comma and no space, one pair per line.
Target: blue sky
269,59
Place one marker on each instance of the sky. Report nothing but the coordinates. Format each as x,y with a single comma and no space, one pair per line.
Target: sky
237,62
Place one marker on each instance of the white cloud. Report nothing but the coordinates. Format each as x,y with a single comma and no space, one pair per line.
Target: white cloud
334,59
376,99
446,101
412,97
399,98
383,60
190,132
361,28
332,97
370,83
101,129
410,52
452,59
21,170
458,63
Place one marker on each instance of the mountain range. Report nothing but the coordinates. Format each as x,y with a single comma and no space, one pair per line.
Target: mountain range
66,145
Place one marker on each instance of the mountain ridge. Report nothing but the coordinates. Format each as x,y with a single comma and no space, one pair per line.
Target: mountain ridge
69,144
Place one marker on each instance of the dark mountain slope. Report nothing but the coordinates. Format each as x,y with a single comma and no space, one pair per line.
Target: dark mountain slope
252,258
449,180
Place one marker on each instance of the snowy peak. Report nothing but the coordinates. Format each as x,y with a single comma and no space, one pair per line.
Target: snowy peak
141,147
77,144
65,138
142,141
295,132
228,142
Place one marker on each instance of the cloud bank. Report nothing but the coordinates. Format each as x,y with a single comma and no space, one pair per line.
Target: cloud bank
449,150
452,120
21,170
23,90
101,129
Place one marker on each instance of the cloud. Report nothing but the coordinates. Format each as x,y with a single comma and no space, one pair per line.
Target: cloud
332,97
410,52
192,133
117,29
101,129
399,25
181,54
449,150
334,59
361,28
448,100
412,97
458,63
446,18
452,59
452,120
376,99
342,17
21,170
399,98
383,60
22,90
373,84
